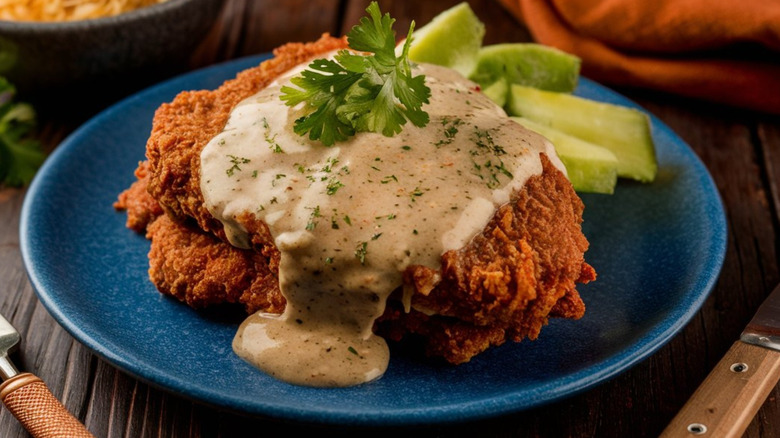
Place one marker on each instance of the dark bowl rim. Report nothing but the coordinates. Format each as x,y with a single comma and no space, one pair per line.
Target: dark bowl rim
101,22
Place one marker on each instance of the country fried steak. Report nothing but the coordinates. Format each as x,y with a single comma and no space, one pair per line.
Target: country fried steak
504,285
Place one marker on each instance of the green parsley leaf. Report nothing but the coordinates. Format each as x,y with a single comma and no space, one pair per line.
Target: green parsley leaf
360,93
361,250
20,155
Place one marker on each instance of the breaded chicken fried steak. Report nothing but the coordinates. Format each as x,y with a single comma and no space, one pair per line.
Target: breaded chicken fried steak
347,198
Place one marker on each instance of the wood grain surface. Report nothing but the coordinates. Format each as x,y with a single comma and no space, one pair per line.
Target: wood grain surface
740,148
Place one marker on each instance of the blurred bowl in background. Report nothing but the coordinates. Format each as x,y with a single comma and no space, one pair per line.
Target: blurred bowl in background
106,57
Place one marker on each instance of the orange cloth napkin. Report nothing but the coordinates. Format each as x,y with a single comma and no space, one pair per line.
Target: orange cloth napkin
726,51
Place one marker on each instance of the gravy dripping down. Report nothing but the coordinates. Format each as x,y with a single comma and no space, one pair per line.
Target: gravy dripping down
349,219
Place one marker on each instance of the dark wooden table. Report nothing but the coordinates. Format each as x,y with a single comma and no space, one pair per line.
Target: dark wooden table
740,148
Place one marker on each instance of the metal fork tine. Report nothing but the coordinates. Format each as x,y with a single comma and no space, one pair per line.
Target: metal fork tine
9,341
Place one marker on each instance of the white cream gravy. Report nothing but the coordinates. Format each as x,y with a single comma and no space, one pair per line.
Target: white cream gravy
348,219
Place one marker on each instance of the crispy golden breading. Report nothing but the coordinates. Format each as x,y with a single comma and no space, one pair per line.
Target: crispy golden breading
201,270
141,207
504,285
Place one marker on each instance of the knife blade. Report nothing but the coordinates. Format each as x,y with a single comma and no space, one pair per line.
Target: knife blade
29,399
728,399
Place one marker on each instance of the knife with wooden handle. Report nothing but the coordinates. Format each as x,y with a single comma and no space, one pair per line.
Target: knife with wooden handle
728,399
29,399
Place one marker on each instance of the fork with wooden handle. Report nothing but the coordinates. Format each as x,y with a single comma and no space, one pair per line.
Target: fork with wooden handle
29,399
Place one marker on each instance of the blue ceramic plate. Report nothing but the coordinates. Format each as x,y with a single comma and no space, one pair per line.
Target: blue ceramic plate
658,249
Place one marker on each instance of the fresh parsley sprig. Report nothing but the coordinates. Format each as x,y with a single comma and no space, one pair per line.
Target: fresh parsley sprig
360,93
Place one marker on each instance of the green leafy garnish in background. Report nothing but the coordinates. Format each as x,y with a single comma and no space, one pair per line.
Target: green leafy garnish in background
357,93
20,155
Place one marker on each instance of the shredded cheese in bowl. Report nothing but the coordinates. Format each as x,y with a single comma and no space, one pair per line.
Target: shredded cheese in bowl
67,10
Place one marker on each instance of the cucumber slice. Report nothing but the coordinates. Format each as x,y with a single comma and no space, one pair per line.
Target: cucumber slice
624,131
528,64
591,168
451,39
497,92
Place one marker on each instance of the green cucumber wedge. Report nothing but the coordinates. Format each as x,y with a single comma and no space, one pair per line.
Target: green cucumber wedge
624,131
497,92
529,64
451,39
591,168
